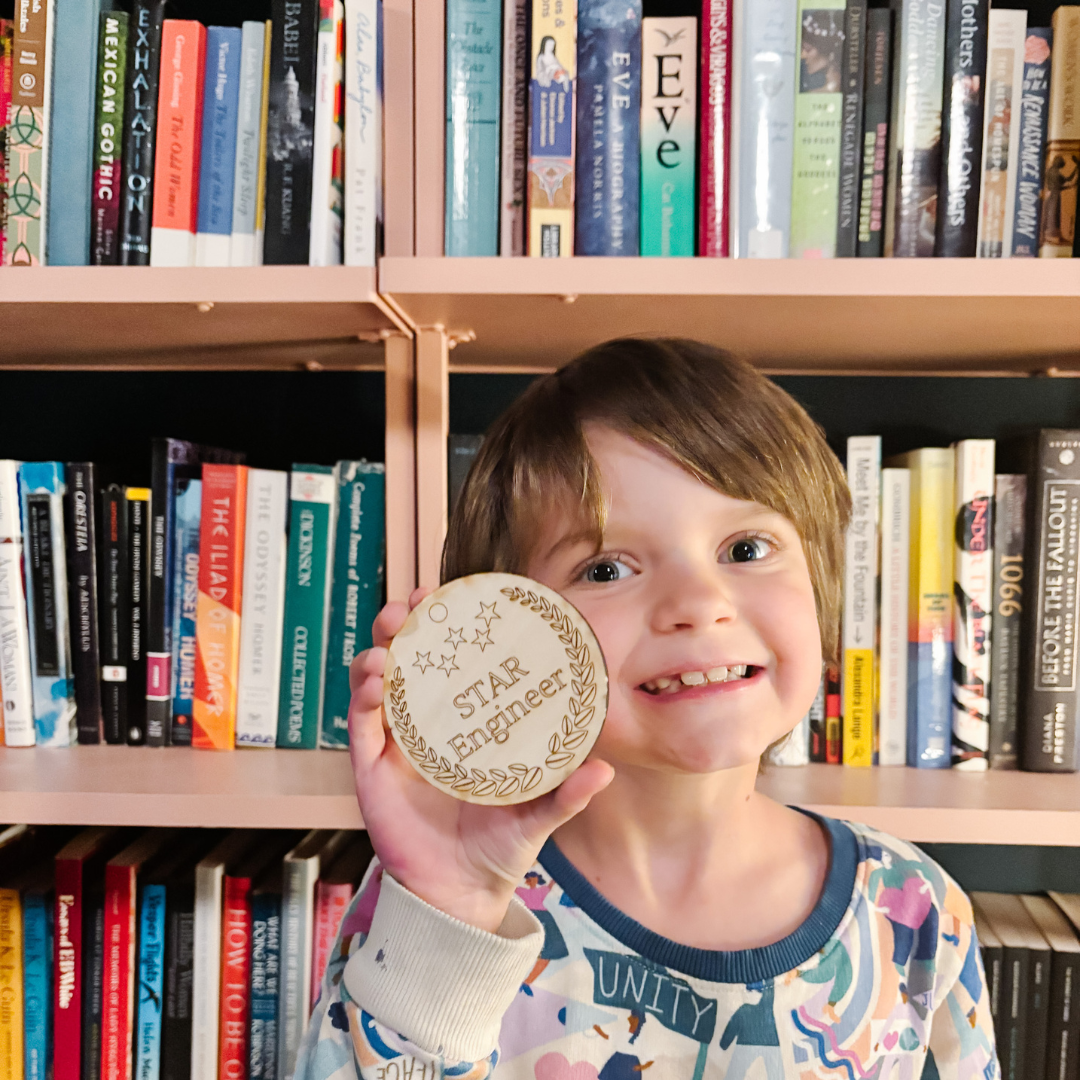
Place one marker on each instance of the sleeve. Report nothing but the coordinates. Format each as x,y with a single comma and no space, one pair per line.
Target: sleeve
406,982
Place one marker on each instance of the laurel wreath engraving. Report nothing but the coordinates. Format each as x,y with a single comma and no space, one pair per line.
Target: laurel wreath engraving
561,746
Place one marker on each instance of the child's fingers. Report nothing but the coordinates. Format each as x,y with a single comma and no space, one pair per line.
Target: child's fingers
367,736
388,622
418,594
369,662
544,815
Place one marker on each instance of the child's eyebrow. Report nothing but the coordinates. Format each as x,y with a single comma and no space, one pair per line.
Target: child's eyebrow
572,539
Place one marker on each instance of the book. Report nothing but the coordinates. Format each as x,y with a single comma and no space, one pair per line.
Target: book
11,984
915,128
819,103
877,88
308,576
150,982
962,127
973,602
250,152
264,120
359,557
860,598
138,518
335,888
714,165
187,507
832,714
363,132
7,36
80,531
37,975
217,623
852,79
1063,1019
1010,513
1001,130
992,954
514,126
290,131
15,682
1062,160
140,130
93,991
326,156
607,217
107,150
176,1005
29,116
235,971
265,548
41,494
668,133
893,632
1035,110
1048,696
265,976
552,88
114,613
178,144
930,577
816,724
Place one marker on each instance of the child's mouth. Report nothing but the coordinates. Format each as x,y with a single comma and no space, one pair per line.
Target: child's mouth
673,684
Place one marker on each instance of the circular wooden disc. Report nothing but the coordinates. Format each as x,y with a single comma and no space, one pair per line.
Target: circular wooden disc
496,689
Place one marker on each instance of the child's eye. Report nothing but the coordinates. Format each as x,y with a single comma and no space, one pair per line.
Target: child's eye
607,570
749,549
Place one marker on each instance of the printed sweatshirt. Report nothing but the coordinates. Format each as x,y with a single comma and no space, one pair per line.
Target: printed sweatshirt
884,979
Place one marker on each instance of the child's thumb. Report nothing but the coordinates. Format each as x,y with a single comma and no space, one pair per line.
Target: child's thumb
569,798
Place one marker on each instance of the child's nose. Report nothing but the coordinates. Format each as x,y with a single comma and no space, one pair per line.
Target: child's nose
690,598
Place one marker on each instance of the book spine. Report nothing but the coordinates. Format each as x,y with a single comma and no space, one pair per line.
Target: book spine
817,724
833,727
140,130
150,983
852,79
331,900
1035,107
297,916
264,608
819,103
1001,131
104,241
37,977
118,1000
715,149
915,128
1062,161
264,120
248,140
552,87
81,535
179,979
217,160
68,970
961,127
12,1027
187,507
138,517
94,966
356,594
7,32
265,986
893,634
1048,692
860,598
607,215
1038,995
235,978
327,174
1012,1012
1062,1025
206,971
290,130
15,681
114,613
515,127
1010,498
363,132
877,87
217,633
307,579
178,143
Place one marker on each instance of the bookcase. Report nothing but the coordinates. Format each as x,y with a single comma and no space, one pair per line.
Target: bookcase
420,318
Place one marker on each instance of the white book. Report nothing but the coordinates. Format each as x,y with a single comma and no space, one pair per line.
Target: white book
16,692
171,247
264,113
973,603
324,245
363,131
515,127
261,629
248,140
893,637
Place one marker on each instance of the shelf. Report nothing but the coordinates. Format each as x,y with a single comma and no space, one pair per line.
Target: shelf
193,317
953,316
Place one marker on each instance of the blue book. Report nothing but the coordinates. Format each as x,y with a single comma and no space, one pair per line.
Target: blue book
606,217
1035,109
473,89
150,982
188,514
221,110
265,984
37,984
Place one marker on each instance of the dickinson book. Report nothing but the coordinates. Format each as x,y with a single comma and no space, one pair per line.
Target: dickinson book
1010,506
1027,201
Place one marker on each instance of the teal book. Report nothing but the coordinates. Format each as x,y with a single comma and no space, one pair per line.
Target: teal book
356,595
668,133
150,983
308,571
37,984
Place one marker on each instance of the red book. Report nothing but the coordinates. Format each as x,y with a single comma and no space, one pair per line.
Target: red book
235,979
715,141
833,727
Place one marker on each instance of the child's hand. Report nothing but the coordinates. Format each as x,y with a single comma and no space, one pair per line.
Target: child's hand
462,858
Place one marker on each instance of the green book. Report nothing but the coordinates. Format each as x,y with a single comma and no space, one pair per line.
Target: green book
356,595
819,100
312,491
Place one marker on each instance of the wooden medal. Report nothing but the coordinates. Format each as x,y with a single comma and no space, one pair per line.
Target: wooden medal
496,689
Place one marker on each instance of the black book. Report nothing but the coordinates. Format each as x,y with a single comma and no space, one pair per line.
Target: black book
990,947
81,539
877,83
93,988
113,610
179,980
290,131
1063,1016
44,623
138,515
851,133
962,127
140,126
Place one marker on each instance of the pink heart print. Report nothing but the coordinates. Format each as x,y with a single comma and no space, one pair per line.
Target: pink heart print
554,1066
890,1040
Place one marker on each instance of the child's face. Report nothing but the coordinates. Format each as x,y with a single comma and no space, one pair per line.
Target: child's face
689,580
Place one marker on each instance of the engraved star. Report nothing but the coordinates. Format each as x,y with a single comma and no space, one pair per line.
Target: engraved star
483,639
423,661
487,612
456,637
449,663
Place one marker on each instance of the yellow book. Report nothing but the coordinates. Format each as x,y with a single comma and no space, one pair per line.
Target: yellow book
11,985
1062,161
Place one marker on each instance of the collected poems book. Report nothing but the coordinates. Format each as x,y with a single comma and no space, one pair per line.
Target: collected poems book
1062,160
893,615
1027,201
15,684
1010,514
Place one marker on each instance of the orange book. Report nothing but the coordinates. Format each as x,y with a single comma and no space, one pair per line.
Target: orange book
217,618
179,140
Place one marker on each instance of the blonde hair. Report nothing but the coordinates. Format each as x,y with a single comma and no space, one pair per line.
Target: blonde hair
717,417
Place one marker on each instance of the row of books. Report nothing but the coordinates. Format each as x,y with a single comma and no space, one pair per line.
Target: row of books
760,128
127,137
220,607
166,954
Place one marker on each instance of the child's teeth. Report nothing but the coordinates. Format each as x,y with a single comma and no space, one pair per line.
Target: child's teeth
692,678
739,670
662,683
716,674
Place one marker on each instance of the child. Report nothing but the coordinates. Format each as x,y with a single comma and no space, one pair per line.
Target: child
654,912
